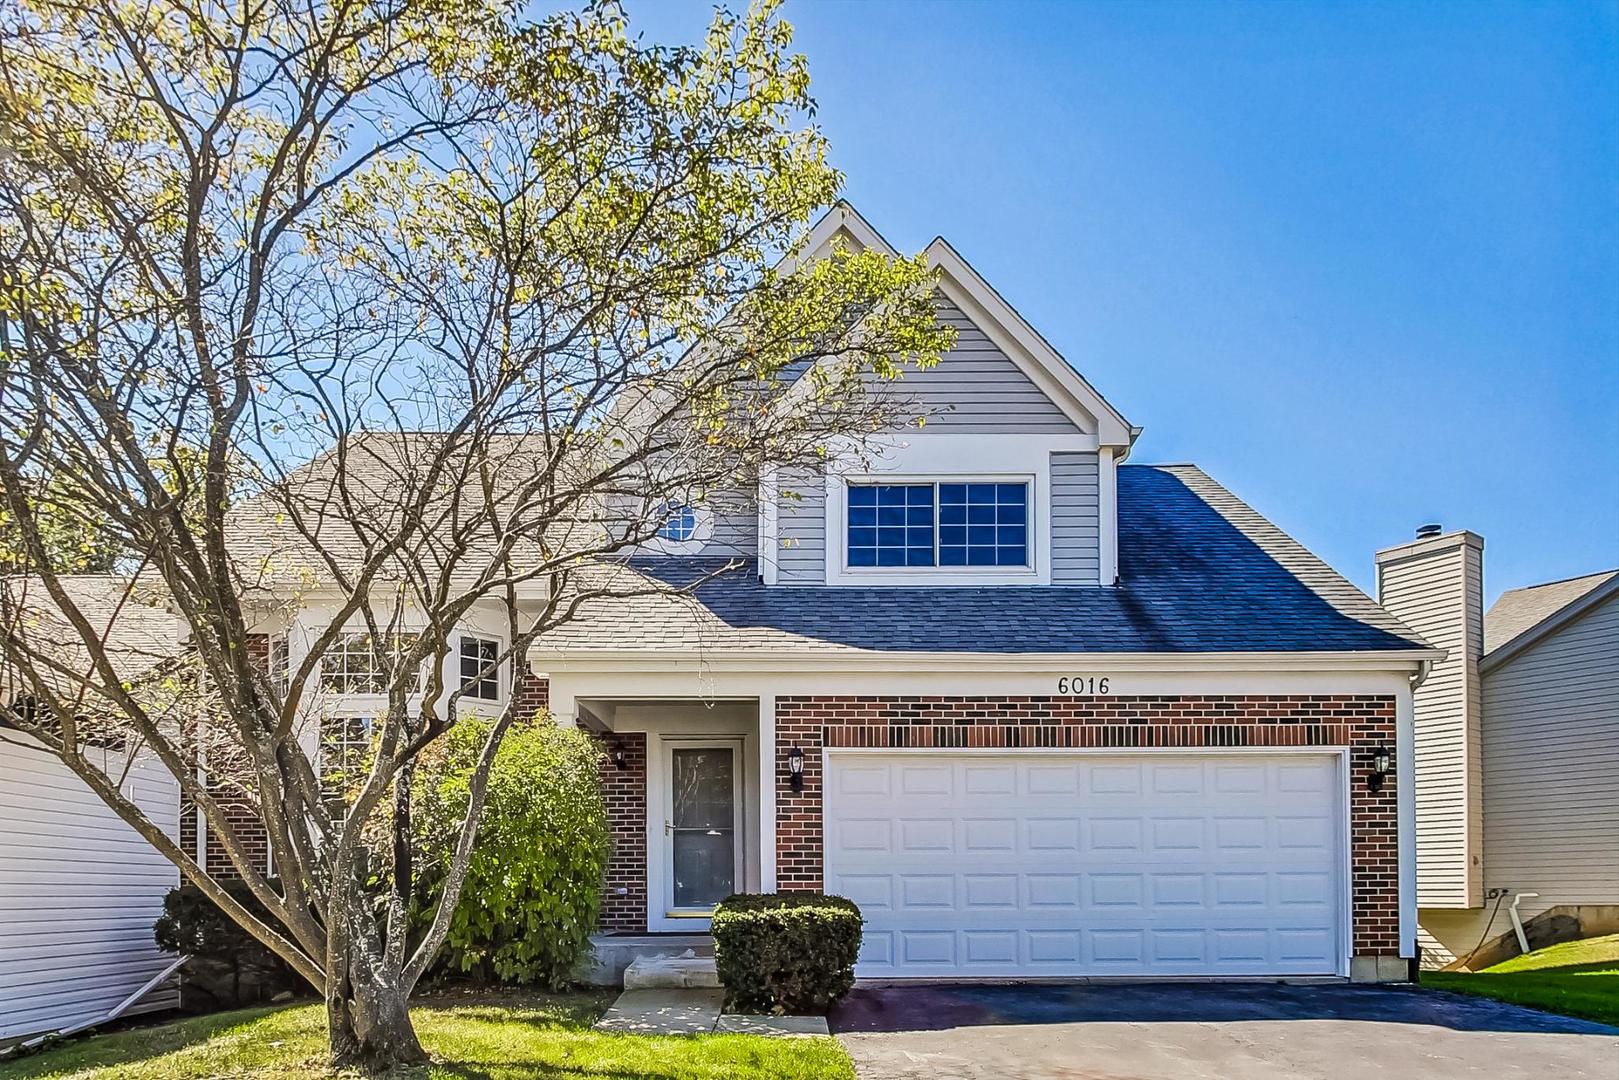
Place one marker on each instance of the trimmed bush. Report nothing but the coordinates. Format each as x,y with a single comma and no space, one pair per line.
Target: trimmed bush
790,952
534,886
228,967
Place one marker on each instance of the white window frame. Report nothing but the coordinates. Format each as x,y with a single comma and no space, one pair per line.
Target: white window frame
342,642
838,543
946,458
1027,566
280,662
499,678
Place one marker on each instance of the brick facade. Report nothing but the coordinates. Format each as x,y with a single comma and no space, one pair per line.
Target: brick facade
533,694
1360,722
624,896
230,785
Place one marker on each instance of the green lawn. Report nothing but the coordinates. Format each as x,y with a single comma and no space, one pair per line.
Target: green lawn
1577,978
490,1037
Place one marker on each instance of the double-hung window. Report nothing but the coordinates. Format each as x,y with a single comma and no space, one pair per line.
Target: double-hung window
479,677
938,524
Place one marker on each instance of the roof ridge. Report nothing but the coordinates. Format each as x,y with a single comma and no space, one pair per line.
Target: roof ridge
1558,581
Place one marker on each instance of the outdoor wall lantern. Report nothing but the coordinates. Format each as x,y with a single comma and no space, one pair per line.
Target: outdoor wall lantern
795,767
1382,764
619,758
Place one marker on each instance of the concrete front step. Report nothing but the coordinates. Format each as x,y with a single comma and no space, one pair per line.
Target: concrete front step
686,971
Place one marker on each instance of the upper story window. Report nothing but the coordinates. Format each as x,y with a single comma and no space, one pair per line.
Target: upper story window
479,677
937,524
681,524
351,665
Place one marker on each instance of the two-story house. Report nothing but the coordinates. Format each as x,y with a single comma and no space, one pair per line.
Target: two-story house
1041,712
1038,711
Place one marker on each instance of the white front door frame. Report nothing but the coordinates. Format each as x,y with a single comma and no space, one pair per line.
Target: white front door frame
662,915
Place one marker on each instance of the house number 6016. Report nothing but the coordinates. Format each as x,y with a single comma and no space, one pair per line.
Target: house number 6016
1082,684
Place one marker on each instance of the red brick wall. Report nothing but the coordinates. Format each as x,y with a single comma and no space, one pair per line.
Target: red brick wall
533,694
625,793
230,786
1360,722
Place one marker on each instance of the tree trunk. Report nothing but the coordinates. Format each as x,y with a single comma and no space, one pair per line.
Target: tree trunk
369,1027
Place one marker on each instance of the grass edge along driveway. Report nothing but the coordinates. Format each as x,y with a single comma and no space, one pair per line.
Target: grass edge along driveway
501,1036
1576,978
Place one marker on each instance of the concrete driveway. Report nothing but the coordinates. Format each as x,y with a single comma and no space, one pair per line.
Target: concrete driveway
1230,1031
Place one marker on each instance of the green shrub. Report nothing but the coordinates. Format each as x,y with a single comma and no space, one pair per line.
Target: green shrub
790,952
229,967
534,886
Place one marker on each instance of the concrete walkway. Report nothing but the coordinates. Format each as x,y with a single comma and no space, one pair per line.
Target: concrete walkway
696,1011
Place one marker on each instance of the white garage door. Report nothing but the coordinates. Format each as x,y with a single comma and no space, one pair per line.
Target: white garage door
1062,864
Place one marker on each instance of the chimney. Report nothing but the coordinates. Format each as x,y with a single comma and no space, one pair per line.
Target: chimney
1435,585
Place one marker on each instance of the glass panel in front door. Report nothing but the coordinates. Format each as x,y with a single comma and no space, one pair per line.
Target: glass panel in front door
703,825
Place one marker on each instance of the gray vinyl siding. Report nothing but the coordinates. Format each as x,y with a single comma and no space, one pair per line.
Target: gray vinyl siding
1437,592
1075,513
801,527
736,531
1551,764
976,389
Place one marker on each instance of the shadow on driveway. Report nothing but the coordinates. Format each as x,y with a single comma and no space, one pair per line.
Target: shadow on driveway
941,1008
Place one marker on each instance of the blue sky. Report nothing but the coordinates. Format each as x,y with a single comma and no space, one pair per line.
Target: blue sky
1359,261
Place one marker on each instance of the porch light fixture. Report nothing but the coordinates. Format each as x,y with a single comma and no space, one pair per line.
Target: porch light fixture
795,768
619,758
1382,765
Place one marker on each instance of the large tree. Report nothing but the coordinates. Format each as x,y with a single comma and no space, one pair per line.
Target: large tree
411,307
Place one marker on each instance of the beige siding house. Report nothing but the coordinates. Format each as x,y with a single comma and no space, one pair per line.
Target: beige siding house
1517,759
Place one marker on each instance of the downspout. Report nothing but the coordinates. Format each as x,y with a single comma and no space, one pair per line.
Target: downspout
1408,800
117,1011
1517,920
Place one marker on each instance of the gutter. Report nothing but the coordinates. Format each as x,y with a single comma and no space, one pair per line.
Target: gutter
558,661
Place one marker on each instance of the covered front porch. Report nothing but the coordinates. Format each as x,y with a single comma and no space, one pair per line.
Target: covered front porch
690,804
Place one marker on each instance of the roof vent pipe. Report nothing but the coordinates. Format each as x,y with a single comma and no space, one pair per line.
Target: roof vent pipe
1425,531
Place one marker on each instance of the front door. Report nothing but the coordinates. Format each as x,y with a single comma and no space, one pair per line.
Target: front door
702,826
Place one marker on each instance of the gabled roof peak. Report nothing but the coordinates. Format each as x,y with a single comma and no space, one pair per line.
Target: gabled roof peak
968,289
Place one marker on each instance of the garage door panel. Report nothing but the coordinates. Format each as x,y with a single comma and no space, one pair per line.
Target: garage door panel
929,835
1051,834
1060,780
989,835
1180,865
990,891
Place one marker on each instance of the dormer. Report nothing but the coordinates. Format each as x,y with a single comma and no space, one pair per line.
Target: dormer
1009,478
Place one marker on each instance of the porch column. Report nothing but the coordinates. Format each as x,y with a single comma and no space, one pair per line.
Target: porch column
767,793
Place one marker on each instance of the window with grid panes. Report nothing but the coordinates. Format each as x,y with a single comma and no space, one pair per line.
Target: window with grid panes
944,524
352,666
479,677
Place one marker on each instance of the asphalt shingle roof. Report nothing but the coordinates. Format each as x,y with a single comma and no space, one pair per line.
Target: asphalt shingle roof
1199,572
132,619
1519,610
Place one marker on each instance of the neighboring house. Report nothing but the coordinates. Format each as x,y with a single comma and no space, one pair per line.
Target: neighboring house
79,889
1517,743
